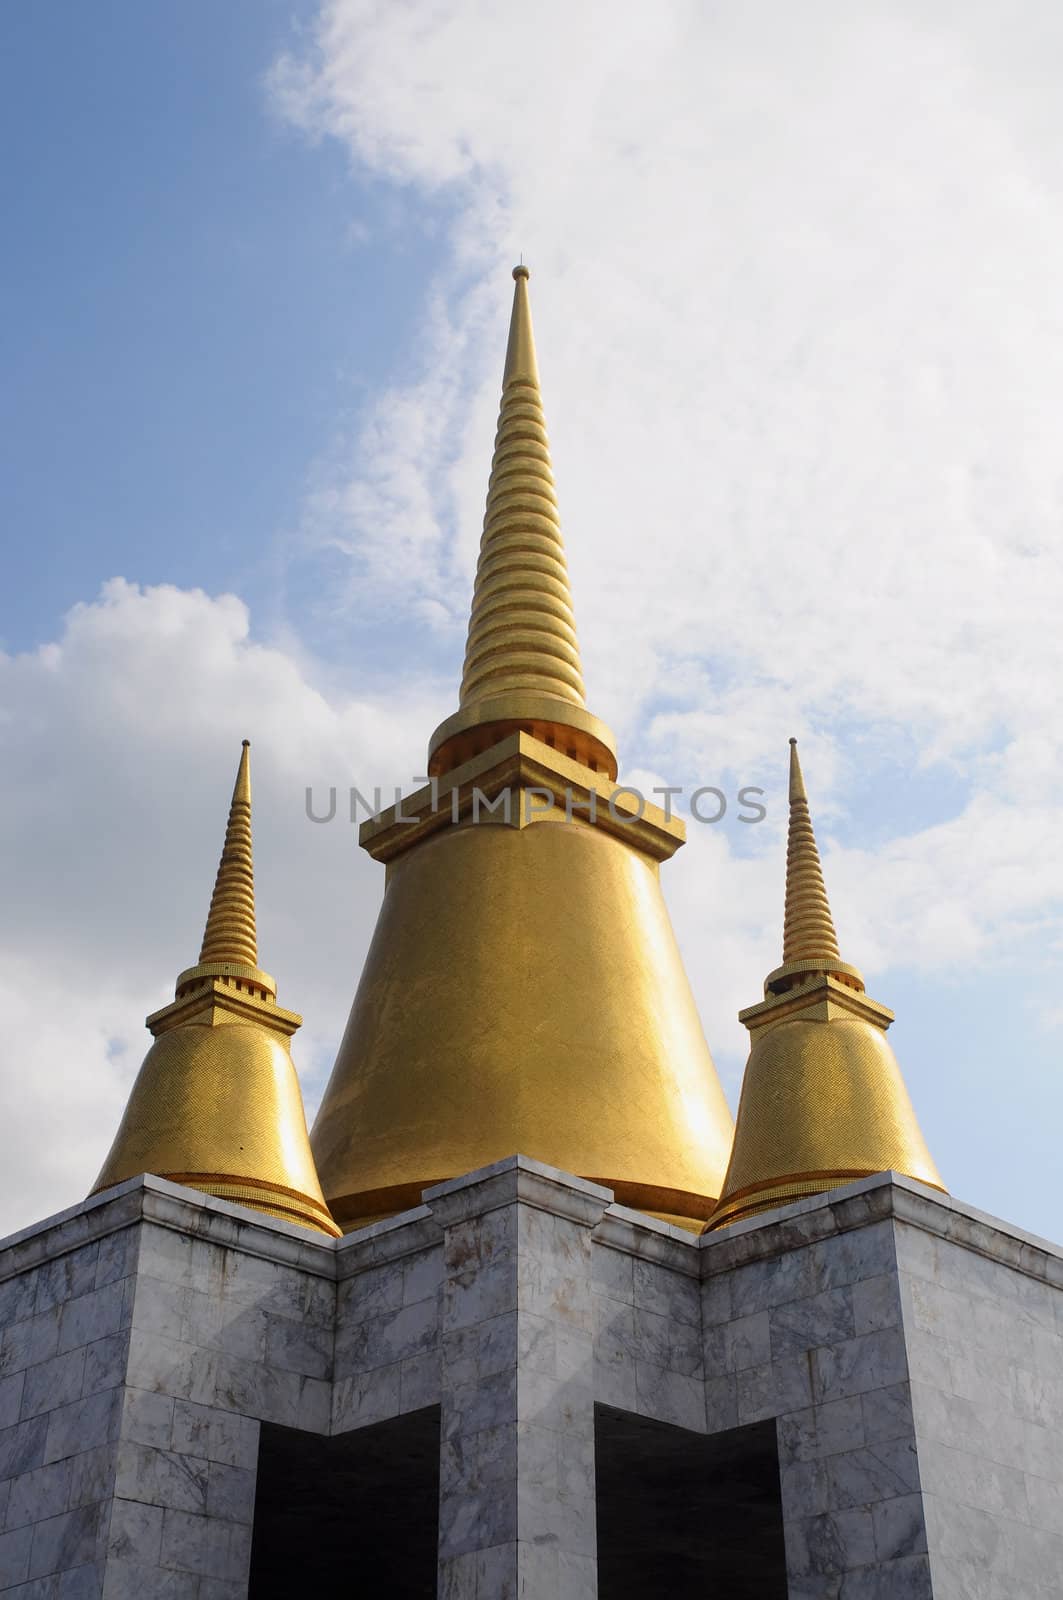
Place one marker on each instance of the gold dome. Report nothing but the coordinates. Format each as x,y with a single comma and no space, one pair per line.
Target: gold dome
216,1104
523,992
823,1101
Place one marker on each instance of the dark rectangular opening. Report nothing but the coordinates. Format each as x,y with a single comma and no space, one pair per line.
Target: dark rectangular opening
358,1512
687,1514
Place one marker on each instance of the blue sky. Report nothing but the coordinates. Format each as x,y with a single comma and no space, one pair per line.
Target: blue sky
189,315
803,396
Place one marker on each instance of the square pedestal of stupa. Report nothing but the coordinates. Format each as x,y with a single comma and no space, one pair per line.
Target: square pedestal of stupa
521,1389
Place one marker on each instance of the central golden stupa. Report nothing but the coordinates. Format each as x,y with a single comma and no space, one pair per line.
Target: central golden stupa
523,990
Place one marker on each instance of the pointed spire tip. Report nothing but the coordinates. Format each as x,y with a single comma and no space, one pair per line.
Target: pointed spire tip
230,931
808,931
797,782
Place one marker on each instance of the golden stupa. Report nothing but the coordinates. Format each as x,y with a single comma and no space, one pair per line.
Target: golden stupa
216,1104
823,1101
523,991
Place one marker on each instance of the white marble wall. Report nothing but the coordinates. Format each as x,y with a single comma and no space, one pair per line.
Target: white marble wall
65,1311
648,1354
387,1321
135,1367
802,1322
983,1322
232,1325
516,1500
910,1351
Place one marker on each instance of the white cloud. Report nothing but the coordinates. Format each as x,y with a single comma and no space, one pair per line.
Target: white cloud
796,286
125,733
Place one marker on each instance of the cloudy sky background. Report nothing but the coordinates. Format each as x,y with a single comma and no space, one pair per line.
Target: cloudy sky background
796,288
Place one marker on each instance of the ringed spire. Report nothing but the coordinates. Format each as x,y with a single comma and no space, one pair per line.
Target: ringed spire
230,931
522,669
808,927
809,942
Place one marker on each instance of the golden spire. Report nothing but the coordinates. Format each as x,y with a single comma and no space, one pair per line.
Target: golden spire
216,1104
522,663
522,631
823,1101
808,931
230,931
809,942
523,991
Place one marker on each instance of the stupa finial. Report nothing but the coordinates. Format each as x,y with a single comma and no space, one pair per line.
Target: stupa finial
808,927
522,661
230,932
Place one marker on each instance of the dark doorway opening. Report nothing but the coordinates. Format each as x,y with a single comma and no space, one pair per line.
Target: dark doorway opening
358,1513
687,1514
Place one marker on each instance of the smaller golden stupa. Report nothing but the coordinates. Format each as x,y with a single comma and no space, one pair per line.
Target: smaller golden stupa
823,1101
216,1104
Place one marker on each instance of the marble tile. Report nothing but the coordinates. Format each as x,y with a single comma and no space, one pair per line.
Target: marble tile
613,1274
65,1541
15,1557
147,1417
33,1496
853,1366
721,1403
668,1343
875,1472
92,1475
667,1294
53,1383
18,1298
67,1277
420,1382
821,1319
214,1435
28,1343
11,1399
367,1397
230,1493
130,1579
200,1545
900,1527
775,1388
830,1544
106,1361
83,1425
670,1396
22,1446
81,1583
301,1347
135,1532
118,1256
91,1316
161,1477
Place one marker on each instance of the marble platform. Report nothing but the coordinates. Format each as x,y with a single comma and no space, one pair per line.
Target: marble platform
856,1397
